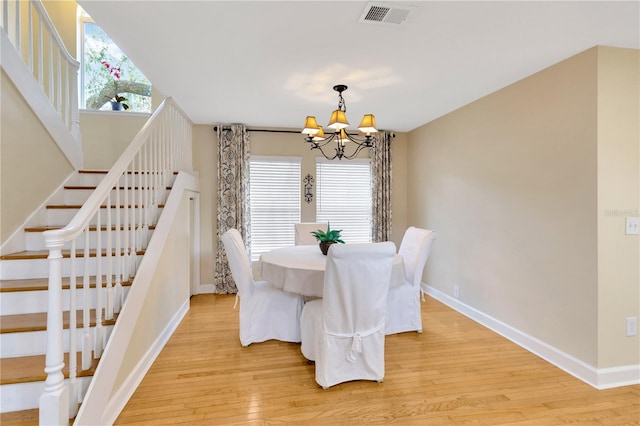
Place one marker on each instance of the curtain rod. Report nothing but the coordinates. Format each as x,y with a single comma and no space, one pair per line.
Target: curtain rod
215,129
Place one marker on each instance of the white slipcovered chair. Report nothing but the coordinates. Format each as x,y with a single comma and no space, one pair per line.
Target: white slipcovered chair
344,331
403,302
304,230
266,312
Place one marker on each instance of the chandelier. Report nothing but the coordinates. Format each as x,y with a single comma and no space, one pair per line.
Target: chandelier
338,124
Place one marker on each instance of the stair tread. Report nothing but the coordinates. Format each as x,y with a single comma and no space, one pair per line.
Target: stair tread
77,206
40,284
22,418
91,228
38,322
104,172
93,171
28,369
43,254
93,187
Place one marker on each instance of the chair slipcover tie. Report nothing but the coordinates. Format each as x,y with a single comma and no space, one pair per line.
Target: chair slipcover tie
356,342
236,302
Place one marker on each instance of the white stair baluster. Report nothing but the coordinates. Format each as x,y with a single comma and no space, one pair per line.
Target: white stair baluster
118,290
73,326
99,330
87,347
109,308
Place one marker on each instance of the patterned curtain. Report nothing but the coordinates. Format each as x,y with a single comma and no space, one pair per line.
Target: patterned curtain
381,173
233,197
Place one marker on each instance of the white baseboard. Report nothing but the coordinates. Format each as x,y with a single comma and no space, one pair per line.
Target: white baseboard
121,397
603,378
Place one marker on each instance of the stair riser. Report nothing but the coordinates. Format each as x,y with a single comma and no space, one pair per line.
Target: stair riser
64,216
26,396
35,342
31,302
39,268
35,240
88,179
79,196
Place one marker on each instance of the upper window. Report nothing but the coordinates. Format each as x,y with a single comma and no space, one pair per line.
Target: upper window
343,197
275,202
107,75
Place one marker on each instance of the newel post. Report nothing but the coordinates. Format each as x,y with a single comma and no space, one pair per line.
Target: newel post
54,401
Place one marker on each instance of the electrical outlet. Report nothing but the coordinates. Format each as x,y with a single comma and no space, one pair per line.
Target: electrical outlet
632,226
456,291
632,326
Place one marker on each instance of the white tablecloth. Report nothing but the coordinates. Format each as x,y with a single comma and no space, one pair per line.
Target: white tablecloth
300,269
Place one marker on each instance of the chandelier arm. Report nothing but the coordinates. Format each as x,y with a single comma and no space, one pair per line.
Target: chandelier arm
367,142
355,153
321,142
324,154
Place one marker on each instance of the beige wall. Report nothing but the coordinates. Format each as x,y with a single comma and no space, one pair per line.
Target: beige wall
277,144
63,14
204,163
105,135
618,196
31,164
509,183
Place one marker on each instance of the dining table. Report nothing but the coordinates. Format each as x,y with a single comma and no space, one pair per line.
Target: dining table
300,269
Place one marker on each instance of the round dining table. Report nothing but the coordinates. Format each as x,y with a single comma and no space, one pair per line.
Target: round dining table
300,269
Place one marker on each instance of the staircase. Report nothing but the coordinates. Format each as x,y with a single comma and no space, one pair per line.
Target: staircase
68,344
24,302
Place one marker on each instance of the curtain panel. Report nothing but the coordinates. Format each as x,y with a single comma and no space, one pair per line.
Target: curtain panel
233,197
381,180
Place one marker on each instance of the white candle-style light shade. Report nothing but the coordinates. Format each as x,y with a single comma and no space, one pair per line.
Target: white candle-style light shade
342,137
319,134
311,127
338,120
368,124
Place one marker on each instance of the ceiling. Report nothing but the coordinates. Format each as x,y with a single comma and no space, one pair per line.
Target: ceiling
271,63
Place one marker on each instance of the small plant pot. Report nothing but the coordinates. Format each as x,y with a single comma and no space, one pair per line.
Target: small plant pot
116,106
324,246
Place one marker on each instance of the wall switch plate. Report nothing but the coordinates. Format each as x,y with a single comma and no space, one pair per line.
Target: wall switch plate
632,326
632,226
456,291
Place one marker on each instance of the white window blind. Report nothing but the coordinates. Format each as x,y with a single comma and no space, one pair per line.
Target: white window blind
275,202
343,197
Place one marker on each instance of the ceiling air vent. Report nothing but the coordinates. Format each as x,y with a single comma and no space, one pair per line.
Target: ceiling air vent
386,13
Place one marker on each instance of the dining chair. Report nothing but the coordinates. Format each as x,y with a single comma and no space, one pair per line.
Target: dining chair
403,303
344,331
266,312
304,230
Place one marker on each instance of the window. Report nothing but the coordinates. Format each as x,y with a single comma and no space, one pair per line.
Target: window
106,72
275,202
343,197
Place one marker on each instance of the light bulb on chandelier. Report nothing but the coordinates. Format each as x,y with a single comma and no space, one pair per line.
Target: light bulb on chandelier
338,123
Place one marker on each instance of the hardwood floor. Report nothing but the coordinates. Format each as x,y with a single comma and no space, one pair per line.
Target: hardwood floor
456,372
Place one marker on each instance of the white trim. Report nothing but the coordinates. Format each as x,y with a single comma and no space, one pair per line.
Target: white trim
120,113
118,401
603,378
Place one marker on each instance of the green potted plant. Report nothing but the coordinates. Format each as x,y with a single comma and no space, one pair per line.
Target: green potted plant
328,237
